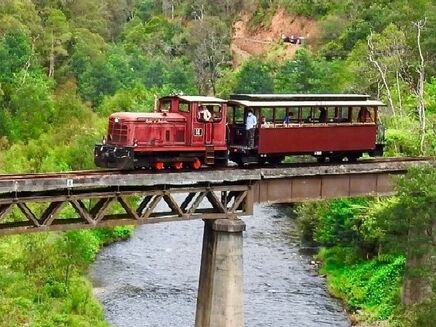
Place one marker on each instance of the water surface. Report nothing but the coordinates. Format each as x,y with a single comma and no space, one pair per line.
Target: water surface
152,279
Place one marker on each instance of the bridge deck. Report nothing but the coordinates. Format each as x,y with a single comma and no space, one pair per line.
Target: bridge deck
115,178
38,202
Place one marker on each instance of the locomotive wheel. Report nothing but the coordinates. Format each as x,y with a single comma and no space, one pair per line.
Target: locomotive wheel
196,164
178,165
159,165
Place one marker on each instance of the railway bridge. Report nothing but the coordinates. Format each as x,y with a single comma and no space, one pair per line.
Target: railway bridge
106,198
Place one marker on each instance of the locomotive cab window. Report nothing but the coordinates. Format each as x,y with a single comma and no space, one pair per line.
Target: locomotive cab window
217,113
183,106
165,105
209,113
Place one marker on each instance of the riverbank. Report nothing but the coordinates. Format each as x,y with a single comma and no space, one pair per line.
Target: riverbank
374,254
43,278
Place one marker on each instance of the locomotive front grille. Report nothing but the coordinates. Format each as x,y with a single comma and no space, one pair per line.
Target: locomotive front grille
118,132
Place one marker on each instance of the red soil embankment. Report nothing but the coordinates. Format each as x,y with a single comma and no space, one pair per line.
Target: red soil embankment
248,43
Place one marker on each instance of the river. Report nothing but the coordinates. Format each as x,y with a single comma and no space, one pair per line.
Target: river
152,279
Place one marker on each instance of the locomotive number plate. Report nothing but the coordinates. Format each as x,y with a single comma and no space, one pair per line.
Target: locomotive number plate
198,131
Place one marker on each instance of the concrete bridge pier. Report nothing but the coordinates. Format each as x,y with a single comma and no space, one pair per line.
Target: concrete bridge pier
220,301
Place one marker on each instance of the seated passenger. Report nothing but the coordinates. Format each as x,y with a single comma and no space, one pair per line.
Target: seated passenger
322,115
288,118
364,116
263,121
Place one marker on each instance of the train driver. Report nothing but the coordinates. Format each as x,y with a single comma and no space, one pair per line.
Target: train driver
250,128
204,114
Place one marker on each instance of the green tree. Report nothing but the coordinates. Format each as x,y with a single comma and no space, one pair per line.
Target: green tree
254,76
209,42
57,35
30,107
98,80
15,55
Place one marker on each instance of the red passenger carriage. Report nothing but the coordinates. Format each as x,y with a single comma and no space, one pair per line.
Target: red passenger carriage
328,126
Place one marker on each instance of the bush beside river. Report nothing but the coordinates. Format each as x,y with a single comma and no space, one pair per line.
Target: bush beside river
372,249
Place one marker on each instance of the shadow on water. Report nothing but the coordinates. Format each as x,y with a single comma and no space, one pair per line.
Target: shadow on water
152,279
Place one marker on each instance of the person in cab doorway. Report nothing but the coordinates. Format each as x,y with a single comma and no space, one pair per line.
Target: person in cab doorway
204,114
250,127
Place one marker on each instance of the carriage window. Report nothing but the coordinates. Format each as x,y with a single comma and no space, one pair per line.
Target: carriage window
365,115
183,107
280,116
331,114
306,115
268,114
293,115
342,115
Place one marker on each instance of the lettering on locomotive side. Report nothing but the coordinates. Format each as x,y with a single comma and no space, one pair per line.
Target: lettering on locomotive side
198,131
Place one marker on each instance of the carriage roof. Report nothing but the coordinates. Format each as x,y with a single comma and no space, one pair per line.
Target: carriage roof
300,97
291,104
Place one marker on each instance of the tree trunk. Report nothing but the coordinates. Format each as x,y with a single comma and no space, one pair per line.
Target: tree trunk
400,102
381,71
52,58
420,85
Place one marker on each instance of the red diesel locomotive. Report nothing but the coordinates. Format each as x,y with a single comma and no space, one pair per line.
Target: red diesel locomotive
191,131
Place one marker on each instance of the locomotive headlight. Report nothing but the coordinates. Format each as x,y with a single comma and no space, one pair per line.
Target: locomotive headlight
116,120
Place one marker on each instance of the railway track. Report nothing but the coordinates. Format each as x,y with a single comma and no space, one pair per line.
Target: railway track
99,172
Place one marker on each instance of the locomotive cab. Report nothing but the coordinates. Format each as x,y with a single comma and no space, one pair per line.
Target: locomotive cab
183,131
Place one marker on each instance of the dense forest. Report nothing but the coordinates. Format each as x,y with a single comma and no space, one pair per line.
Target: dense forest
65,65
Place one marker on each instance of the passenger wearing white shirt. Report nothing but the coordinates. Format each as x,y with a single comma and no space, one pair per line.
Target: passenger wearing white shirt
250,127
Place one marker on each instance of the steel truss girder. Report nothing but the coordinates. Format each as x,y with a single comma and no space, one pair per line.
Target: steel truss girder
92,208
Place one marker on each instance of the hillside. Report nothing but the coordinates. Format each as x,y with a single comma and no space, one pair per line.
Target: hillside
250,41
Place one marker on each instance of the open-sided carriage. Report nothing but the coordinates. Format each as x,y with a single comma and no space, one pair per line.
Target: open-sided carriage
329,127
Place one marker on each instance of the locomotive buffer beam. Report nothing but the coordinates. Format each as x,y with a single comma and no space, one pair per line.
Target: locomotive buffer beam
90,208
